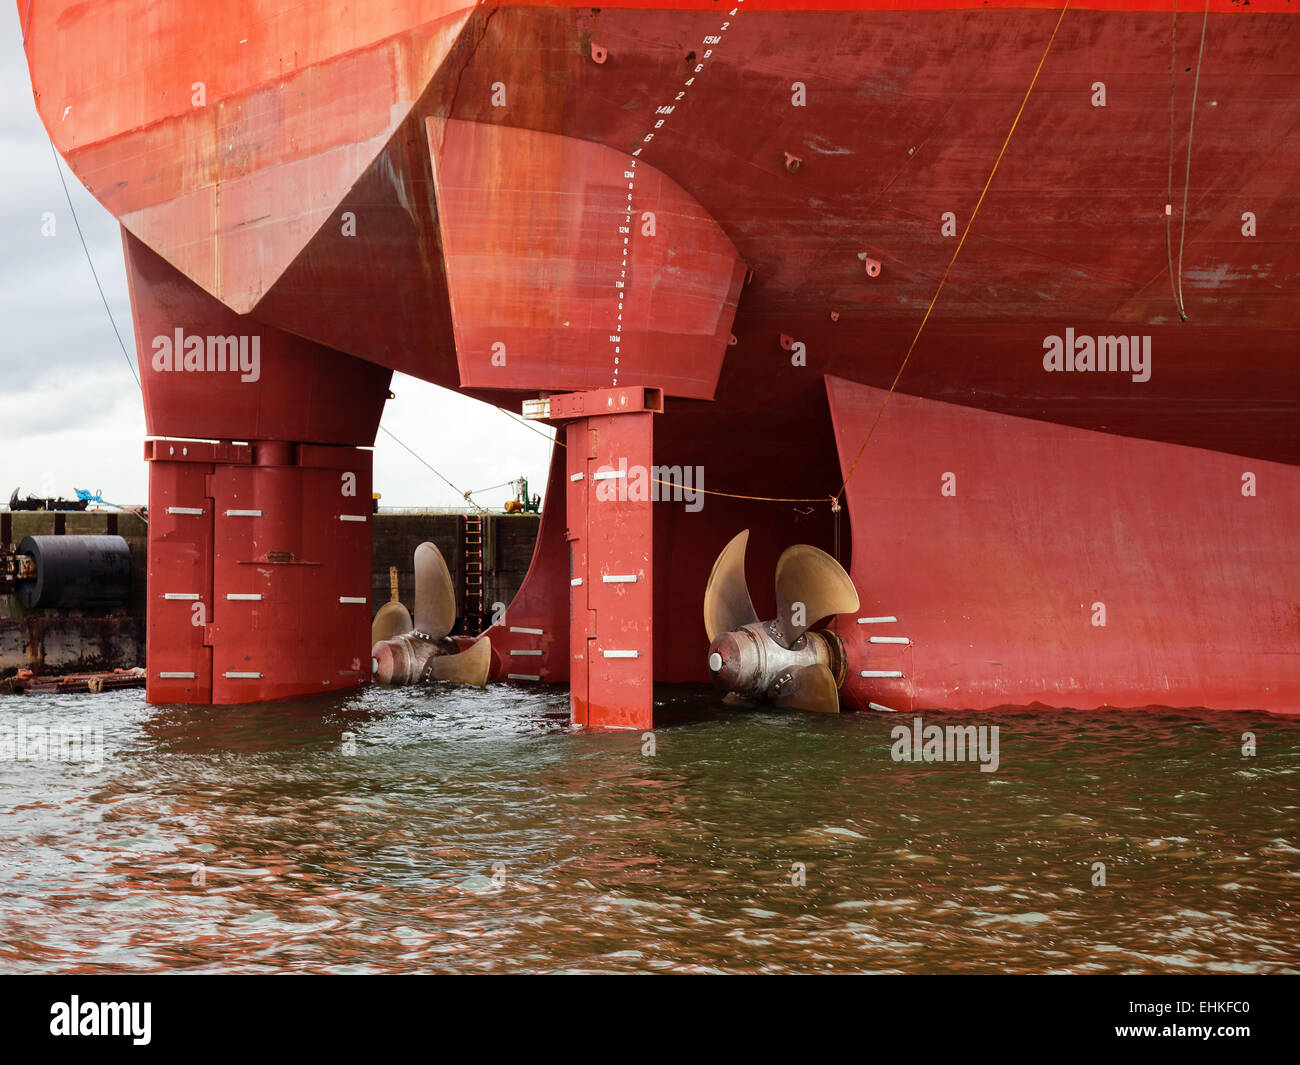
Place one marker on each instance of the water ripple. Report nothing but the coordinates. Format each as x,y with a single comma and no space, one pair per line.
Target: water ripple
458,830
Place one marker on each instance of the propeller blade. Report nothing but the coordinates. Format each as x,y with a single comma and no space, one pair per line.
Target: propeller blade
392,619
435,598
727,605
810,585
811,688
471,666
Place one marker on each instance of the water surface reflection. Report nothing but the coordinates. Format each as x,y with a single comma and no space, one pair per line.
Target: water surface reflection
473,831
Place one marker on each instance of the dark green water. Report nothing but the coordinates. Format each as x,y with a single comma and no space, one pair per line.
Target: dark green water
379,856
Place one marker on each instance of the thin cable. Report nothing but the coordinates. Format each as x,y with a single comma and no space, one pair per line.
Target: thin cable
1187,177
971,221
738,495
1169,194
529,425
91,264
492,488
463,495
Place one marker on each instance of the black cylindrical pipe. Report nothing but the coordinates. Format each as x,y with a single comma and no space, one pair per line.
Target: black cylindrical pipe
85,572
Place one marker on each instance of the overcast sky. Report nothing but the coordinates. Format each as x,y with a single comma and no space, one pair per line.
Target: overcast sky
70,411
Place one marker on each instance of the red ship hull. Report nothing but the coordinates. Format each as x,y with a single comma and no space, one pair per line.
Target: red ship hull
514,199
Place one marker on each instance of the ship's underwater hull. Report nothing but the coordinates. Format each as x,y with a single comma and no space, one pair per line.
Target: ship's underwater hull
514,199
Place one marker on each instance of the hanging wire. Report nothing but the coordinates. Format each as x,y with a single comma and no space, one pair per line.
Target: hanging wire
1187,175
529,425
93,273
430,468
1169,194
492,488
